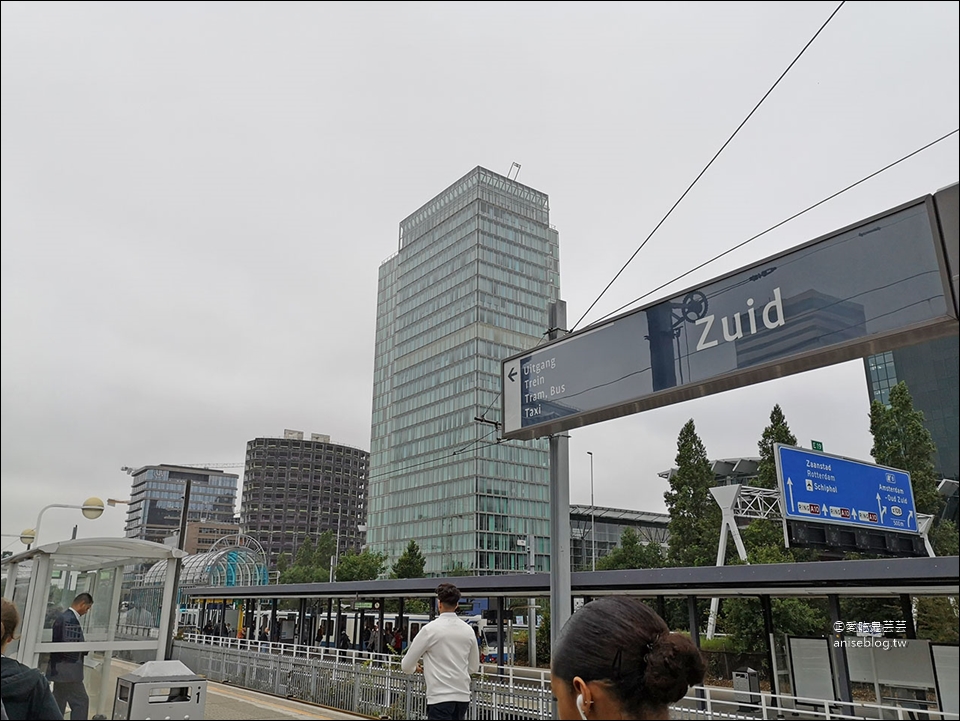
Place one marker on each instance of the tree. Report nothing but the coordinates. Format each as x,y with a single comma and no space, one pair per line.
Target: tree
365,566
410,564
937,619
762,536
900,440
311,562
460,569
694,515
631,553
778,431
543,631
742,618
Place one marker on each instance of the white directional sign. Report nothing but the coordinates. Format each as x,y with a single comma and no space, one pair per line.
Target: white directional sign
831,489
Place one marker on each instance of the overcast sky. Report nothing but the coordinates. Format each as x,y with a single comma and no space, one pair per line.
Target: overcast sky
196,198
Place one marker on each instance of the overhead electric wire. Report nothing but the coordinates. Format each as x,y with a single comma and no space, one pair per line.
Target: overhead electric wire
685,274
777,225
707,166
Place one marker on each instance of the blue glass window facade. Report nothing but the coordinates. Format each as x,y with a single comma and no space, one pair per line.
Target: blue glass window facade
471,284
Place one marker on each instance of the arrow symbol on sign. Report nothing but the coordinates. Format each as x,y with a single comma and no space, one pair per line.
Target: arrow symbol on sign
790,488
881,508
824,509
512,375
909,516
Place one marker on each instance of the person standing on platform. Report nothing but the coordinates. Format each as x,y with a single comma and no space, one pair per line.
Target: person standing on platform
450,655
66,669
617,659
26,693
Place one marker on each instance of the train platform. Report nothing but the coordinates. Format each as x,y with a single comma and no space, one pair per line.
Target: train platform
232,702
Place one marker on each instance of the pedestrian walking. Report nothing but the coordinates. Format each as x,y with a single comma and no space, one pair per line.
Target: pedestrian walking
448,649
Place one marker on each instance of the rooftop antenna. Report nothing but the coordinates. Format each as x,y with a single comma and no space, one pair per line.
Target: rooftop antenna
511,175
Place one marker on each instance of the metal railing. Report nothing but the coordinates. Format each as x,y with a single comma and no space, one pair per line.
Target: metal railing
373,685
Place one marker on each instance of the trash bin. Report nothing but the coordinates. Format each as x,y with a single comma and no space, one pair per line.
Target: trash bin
160,689
746,688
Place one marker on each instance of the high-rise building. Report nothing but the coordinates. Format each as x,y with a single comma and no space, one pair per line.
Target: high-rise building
294,489
930,371
471,283
156,499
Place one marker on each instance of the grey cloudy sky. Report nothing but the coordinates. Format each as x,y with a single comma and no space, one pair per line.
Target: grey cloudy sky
196,198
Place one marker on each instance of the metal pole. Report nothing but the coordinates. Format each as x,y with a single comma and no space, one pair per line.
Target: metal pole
177,565
336,552
36,527
339,518
560,581
532,605
767,611
840,668
593,520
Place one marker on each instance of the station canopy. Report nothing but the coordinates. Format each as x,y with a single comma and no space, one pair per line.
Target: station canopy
236,560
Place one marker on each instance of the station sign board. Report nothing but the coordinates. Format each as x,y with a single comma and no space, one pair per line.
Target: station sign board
877,285
823,488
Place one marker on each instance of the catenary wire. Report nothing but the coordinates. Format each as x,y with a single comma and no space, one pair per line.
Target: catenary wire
707,166
774,227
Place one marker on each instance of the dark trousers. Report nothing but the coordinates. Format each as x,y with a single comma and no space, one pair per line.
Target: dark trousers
74,694
448,710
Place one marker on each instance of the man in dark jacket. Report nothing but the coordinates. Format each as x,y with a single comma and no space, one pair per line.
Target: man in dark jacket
66,669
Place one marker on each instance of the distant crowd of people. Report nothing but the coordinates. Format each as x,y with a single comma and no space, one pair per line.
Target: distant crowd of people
220,629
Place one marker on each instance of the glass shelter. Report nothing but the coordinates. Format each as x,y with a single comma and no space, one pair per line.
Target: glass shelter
43,582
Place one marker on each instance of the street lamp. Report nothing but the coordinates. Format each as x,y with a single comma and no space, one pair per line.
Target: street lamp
92,508
593,520
336,555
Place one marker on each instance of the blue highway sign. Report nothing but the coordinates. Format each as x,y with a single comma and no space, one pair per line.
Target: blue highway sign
829,489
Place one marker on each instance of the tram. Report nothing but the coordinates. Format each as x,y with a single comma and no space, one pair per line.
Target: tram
341,628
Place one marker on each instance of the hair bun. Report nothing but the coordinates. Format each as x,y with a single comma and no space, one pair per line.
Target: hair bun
673,664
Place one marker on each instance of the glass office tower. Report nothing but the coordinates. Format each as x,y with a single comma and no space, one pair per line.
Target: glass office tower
476,270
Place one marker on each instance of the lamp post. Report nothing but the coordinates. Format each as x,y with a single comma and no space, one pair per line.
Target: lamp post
336,552
593,520
92,508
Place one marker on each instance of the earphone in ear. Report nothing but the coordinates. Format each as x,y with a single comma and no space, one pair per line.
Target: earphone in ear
583,714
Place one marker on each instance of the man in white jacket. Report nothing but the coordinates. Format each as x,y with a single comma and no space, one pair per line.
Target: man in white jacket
450,655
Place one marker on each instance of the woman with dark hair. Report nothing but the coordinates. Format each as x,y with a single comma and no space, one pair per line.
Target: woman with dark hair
617,659
26,693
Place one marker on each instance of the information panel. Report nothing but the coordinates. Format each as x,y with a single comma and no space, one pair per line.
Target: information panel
874,286
830,489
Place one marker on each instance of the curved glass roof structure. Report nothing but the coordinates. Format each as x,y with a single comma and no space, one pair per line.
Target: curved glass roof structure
242,564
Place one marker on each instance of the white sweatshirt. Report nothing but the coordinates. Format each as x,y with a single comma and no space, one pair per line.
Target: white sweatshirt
450,654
